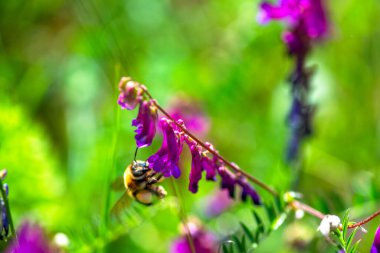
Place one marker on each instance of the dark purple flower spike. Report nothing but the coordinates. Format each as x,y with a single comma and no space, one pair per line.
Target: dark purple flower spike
307,22
376,242
165,160
145,123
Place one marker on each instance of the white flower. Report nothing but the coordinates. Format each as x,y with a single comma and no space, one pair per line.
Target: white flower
61,240
329,223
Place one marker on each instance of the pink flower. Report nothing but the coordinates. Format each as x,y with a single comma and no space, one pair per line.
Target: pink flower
30,239
309,12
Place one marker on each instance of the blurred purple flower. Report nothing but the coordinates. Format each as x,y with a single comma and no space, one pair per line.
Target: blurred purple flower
310,14
4,227
145,123
229,182
130,93
30,239
376,242
299,121
217,203
307,20
191,113
165,160
202,240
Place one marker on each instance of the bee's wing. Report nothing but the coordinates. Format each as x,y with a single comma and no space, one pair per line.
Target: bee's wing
121,204
118,184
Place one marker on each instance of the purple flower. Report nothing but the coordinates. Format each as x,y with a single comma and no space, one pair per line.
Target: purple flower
376,242
299,120
230,181
309,13
145,123
196,165
202,240
30,239
165,160
191,113
200,162
130,93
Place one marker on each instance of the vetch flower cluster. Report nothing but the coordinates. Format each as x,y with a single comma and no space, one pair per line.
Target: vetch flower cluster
131,94
307,22
165,161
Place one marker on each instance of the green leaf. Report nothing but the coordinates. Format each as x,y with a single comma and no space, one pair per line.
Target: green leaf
247,232
345,224
350,238
271,212
259,222
355,247
240,244
225,249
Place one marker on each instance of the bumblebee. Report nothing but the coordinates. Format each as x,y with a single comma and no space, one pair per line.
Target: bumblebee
139,182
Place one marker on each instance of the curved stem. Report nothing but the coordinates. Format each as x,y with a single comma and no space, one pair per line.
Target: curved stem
230,164
366,220
299,205
182,214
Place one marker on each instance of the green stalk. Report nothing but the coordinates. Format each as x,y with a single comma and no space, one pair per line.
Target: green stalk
182,214
112,159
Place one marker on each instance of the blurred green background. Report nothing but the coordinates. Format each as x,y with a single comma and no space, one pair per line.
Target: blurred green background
63,137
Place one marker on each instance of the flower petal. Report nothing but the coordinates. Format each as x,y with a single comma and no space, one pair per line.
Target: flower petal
376,242
196,166
145,123
166,159
130,93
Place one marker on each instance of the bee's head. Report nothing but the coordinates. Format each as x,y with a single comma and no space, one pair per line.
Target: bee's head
139,169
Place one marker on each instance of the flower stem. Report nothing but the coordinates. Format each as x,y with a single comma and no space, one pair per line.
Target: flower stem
299,205
7,209
182,214
366,220
230,164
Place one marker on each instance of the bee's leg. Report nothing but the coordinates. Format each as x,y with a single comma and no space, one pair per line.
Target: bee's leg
154,178
158,190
